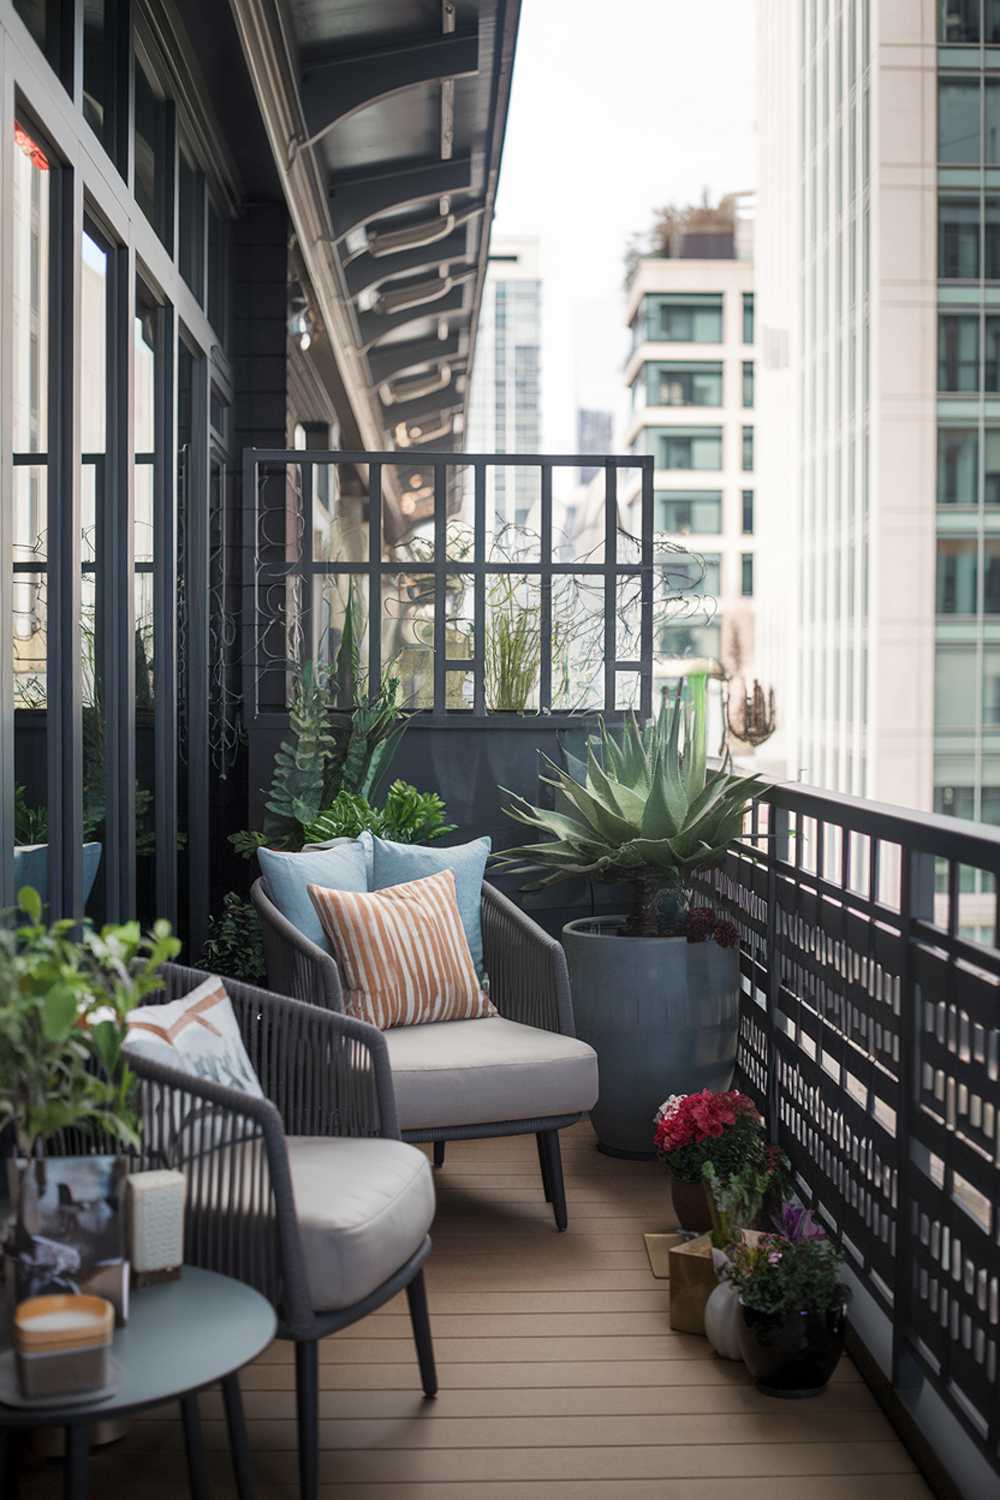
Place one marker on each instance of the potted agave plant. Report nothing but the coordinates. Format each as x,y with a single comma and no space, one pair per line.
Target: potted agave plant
656,990
65,994
793,1306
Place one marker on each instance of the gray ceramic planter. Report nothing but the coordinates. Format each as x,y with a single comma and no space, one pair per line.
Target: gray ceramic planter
662,1016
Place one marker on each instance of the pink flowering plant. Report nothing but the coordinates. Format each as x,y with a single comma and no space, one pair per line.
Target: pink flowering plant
721,1129
797,1271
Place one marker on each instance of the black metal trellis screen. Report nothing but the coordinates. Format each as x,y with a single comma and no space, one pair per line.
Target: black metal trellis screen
871,1038
458,577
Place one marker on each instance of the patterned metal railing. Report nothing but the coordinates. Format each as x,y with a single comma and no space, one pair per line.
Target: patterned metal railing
870,1036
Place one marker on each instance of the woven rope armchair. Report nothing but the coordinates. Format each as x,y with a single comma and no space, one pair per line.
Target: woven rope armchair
252,1165
522,1072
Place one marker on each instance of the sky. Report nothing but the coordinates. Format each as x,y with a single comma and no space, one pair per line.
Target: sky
615,109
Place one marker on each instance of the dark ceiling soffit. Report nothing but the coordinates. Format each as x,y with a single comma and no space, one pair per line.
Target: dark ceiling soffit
374,326
425,406
353,203
335,88
369,270
396,359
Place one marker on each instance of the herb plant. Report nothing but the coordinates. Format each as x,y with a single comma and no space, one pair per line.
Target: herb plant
779,1275
65,995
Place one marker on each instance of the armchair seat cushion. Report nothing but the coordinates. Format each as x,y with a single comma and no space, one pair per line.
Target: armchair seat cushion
454,1073
363,1206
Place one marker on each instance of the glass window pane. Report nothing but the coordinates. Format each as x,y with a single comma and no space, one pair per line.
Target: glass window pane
991,21
991,577
93,437
50,23
217,245
686,447
746,575
991,477
147,358
153,154
992,122
958,466
958,20
747,503
958,239
956,577
684,319
691,638
748,317
955,687
691,573
958,352
991,363
748,382
747,448
678,384
958,120
680,512
191,223
103,90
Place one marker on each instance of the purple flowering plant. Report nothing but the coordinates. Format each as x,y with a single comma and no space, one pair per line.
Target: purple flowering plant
795,1270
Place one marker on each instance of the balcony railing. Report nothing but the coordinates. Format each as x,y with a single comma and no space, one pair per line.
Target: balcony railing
870,1037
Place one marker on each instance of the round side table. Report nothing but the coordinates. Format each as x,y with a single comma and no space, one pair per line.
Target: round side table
181,1336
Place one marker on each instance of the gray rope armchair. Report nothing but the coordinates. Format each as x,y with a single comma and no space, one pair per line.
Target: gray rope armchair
522,1072
264,1183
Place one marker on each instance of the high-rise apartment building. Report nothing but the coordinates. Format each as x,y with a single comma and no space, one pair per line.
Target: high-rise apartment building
594,434
691,377
505,410
879,397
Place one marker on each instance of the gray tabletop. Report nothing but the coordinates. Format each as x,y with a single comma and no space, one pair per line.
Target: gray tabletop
180,1336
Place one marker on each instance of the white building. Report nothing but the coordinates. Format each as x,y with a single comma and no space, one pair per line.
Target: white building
505,407
691,378
850,401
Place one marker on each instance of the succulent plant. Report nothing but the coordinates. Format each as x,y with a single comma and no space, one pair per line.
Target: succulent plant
648,811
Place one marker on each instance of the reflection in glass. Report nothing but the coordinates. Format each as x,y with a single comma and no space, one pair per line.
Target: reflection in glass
957,591
408,636
30,335
153,166
93,440
148,324
958,121
102,93
191,222
958,465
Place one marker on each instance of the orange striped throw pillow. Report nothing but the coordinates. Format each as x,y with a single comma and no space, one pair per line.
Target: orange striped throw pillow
403,953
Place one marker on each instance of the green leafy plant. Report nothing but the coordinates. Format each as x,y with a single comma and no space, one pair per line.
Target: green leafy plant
298,779
234,947
31,824
65,994
737,1200
776,1274
408,816
649,813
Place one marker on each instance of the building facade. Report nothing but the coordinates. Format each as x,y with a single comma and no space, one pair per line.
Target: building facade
874,399
691,378
505,401
594,434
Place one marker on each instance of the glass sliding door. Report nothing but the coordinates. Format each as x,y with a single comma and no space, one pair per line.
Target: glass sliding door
95,308
33,171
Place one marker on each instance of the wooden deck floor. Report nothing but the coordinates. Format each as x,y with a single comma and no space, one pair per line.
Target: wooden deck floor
560,1376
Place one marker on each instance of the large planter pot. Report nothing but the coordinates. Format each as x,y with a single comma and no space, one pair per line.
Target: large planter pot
662,1016
792,1354
690,1200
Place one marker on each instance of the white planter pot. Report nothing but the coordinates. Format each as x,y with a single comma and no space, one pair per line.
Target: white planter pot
722,1314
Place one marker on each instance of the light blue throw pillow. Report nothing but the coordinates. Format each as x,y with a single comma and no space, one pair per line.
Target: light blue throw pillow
395,864
342,868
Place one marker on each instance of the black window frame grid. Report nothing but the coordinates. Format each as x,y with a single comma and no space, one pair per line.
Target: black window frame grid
261,575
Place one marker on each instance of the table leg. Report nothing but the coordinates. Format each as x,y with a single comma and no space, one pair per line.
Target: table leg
239,1442
77,1458
197,1475
9,1442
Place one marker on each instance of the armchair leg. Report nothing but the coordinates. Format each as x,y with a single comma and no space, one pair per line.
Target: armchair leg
307,1405
416,1296
548,1141
439,1153
543,1168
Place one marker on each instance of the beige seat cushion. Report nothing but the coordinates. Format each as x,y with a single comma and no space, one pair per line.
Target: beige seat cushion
481,1072
364,1207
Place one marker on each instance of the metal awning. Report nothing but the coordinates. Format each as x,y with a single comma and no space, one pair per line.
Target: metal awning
386,120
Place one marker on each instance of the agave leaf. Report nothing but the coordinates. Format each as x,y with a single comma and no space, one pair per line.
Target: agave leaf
659,818
614,758
627,803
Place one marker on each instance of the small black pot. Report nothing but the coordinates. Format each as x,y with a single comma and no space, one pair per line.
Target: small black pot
792,1354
